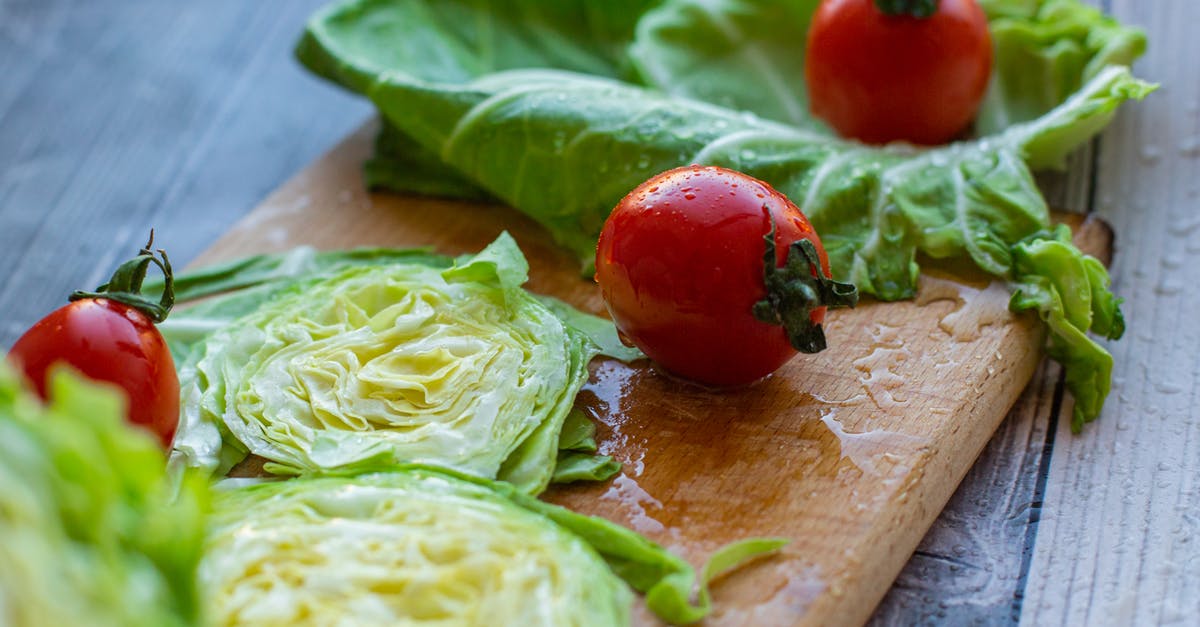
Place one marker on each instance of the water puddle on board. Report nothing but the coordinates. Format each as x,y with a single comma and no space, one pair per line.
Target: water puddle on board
783,587
634,500
977,307
610,384
880,376
866,449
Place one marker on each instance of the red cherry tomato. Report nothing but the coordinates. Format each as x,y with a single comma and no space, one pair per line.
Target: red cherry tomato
109,335
880,77
110,342
681,265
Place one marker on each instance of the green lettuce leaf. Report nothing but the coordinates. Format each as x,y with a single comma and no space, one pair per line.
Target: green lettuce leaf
94,532
1070,293
715,82
738,54
577,458
1045,50
322,361
418,544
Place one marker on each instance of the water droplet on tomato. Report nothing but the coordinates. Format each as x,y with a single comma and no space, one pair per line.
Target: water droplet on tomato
689,196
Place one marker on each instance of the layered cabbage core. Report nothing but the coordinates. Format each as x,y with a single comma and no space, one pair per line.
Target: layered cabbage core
399,549
400,362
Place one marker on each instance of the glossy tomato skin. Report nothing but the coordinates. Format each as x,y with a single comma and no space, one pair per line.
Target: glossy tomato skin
109,342
880,78
680,266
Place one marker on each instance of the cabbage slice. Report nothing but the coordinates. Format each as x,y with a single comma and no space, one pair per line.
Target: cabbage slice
423,546
452,365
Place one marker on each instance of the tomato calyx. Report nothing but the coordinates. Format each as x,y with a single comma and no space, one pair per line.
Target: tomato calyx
125,286
798,288
912,8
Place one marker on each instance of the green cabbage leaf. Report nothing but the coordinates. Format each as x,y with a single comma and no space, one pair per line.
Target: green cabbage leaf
334,361
1069,291
94,532
419,545
560,108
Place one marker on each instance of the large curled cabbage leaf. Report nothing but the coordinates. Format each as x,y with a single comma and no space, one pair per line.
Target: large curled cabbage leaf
422,546
369,357
92,531
560,108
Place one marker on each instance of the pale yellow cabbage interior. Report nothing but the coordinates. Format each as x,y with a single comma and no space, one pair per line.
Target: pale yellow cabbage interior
399,550
391,361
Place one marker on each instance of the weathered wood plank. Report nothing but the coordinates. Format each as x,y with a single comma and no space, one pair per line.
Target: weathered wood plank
119,116
967,569
1117,541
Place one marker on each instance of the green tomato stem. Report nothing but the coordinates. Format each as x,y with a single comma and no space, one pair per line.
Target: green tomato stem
125,286
920,9
797,289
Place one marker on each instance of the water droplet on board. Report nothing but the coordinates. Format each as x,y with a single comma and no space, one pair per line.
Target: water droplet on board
880,379
1150,154
784,585
1167,387
278,236
626,491
977,308
1168,288
610,383
1190,146
1182,228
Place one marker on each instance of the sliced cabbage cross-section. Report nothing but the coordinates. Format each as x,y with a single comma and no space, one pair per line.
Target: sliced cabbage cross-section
399,548
423,546
456,367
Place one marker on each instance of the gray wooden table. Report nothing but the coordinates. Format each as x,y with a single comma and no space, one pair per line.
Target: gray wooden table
120,114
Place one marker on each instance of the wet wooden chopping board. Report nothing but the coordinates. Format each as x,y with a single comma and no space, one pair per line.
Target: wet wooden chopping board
851,453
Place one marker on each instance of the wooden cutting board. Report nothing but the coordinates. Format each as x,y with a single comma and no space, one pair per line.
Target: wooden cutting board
851,453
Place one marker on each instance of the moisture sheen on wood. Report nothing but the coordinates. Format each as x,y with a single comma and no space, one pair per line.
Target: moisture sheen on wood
850,453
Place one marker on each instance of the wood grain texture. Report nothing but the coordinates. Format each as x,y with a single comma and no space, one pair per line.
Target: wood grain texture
121,115
851,453
1117,544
